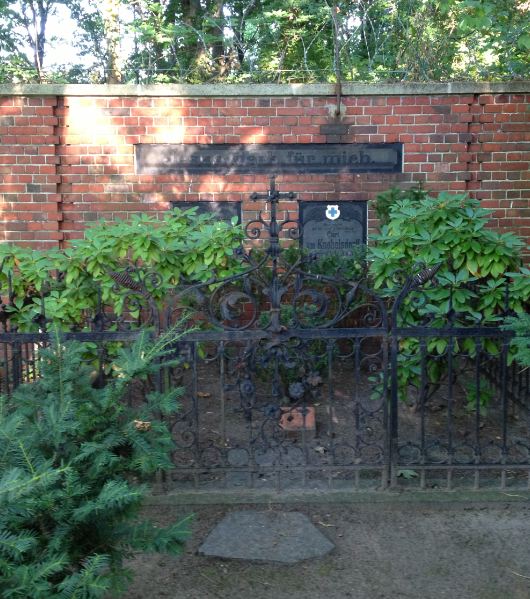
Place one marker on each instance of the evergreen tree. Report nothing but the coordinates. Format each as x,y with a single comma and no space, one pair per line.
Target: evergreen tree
70,458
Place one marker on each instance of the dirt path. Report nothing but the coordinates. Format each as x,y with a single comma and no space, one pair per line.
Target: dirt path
383,551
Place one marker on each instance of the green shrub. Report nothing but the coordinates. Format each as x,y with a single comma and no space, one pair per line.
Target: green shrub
386,200
450,229
350,267
476,262
182,245
70,457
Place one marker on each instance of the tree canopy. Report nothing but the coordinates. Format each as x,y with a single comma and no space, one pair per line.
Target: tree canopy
194,41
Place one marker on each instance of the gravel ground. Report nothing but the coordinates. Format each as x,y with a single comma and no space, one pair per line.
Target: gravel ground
383,551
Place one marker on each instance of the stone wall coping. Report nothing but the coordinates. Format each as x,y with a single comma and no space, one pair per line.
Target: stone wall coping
265,89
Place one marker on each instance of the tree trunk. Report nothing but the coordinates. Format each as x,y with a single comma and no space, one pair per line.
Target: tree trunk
111,23
35,25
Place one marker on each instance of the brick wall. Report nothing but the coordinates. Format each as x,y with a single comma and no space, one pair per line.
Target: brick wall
30,204
67,159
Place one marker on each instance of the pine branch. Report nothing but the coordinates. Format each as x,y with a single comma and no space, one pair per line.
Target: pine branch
116,495
15,484
15,545
92,580
145,536
66,460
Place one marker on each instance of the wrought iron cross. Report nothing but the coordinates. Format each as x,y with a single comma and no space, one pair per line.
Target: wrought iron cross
273,227
275,289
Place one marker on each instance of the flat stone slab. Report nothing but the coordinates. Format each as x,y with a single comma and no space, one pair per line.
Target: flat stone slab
283,537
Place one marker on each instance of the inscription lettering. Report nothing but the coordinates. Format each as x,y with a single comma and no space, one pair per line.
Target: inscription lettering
322,236
255,158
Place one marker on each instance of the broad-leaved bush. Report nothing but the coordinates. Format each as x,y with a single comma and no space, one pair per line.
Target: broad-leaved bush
481,275
69,283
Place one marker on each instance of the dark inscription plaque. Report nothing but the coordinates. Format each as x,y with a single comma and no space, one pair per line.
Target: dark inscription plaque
333,227
160,159
223,210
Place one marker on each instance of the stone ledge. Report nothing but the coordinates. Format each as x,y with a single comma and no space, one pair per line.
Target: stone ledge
265,89
258,497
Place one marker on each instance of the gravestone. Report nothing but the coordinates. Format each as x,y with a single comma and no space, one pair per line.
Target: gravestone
223,210
333,227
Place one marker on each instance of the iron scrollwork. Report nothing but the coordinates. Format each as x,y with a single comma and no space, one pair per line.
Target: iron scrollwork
283,328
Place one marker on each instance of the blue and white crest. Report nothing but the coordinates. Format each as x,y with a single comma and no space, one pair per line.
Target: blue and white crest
332,212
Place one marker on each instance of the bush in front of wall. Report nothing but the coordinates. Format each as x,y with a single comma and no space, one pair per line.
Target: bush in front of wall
451,230
70,457
476,265
180,246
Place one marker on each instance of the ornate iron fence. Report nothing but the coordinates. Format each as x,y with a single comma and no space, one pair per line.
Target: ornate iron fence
297,378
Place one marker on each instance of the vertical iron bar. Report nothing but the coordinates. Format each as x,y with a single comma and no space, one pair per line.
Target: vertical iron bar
305,448
252,465
356,406
526,405
34,354
221,351
450,451
356,382
422,398
195,411
527,386
504,407
385,472
477,450
331,393
17,364
8,352
331,408
25,362
4,384
393,424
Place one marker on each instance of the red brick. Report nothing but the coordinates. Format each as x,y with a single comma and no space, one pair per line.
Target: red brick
96,176
460,108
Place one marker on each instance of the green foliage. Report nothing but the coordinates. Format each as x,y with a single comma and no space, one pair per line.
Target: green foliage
271,40
520,325
478,402
351,267
407,474
450,230
182,245
294,40
386,200
69,457
298,40
477,264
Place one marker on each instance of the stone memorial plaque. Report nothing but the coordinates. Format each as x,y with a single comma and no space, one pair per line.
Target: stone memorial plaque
333,227
223,210
160,159
284,537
